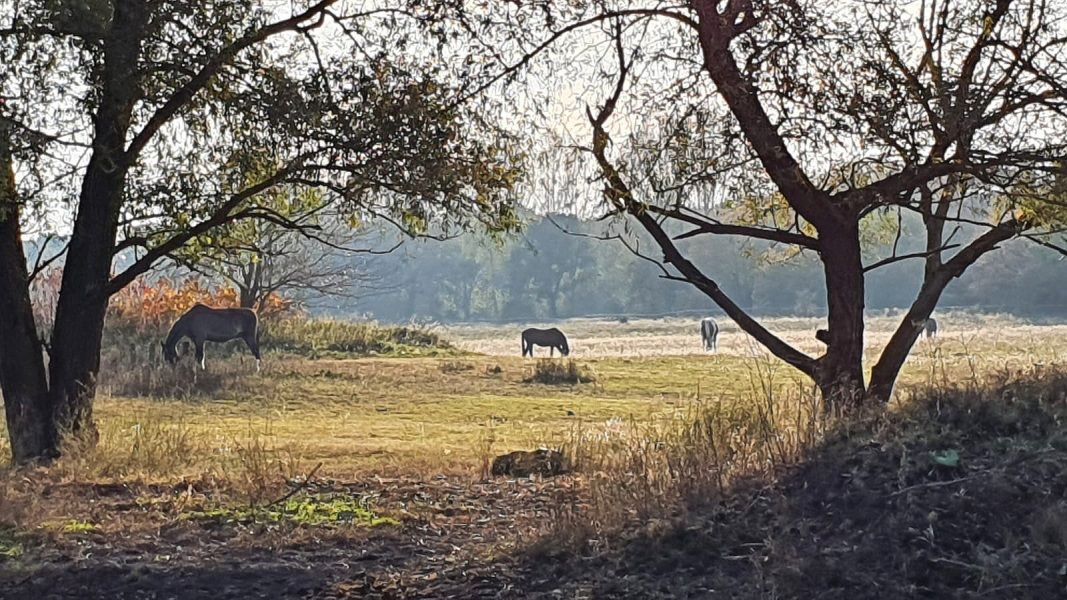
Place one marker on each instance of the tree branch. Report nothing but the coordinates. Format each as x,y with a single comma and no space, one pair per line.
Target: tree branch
186,92
619,194
892,259
223,215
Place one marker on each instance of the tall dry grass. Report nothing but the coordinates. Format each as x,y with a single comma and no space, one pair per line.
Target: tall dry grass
645,471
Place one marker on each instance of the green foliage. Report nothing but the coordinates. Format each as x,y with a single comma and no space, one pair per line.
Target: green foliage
308,510
10,546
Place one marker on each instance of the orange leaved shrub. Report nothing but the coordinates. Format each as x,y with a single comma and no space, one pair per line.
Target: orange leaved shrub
157,304
148,305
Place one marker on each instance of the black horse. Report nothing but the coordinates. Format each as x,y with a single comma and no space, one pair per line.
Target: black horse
553,338
930,327
202,323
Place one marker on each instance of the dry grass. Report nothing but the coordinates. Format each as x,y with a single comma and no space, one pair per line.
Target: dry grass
647,471
561,372
429,415
643,338
423,416
955,492
653,437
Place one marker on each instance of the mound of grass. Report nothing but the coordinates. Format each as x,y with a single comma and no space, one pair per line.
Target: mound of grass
310,510
554,372
315,337
958,493
134,346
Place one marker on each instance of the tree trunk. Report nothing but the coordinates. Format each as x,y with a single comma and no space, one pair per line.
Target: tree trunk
246,297
22,370
83,298
840,372
885,371
79,324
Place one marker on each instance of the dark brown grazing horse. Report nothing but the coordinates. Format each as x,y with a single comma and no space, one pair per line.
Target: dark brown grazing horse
202,323
930,328
553,338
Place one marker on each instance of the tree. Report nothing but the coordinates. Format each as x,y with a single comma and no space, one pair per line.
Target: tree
549,264
805,124
166,99
277,260
304,251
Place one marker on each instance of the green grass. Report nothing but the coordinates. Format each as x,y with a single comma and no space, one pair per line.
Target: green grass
329,337
10,546
70,526
432,414
308,510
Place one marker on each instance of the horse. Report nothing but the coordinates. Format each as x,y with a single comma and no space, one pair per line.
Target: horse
553,338
709,333
930,327
202,323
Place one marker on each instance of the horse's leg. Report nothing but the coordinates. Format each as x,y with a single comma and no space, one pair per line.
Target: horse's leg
551,351
253,345
200,353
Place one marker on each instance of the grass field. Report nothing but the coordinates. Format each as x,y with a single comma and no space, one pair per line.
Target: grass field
411,438
450,414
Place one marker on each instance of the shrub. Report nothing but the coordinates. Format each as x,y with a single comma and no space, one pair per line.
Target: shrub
311,337
553,372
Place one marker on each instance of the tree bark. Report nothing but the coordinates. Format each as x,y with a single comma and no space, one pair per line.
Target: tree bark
22,370
839,374
83,299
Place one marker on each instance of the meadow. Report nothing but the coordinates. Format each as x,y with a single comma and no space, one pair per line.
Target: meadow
191,462
451,413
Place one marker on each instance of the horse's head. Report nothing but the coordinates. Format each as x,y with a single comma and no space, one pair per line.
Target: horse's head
170,353
564,349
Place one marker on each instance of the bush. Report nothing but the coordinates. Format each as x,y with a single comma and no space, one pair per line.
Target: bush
313,337
553,372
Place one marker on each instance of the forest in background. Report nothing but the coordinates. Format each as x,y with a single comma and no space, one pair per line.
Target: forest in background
560,268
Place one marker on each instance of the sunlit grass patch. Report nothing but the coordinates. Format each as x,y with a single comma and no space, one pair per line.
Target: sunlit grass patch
554,372
10,546
70,526
308,510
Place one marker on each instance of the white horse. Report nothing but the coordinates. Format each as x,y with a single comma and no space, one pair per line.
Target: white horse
709,334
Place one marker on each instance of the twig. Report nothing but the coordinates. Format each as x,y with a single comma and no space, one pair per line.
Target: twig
932,484
303,484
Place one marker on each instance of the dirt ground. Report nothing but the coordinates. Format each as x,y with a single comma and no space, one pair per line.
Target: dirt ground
453,540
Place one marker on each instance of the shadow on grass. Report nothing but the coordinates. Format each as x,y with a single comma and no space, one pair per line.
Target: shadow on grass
957,493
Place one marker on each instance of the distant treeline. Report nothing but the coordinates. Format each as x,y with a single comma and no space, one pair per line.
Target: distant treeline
559,268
